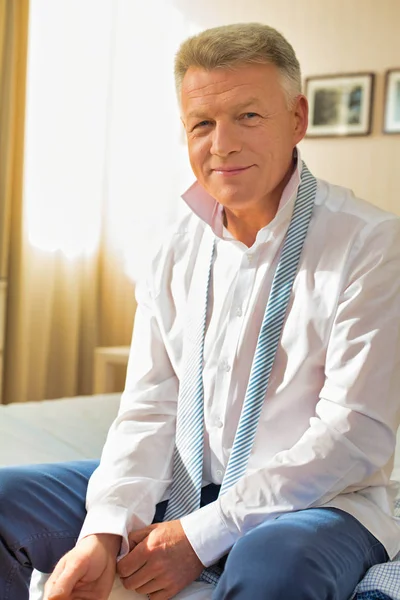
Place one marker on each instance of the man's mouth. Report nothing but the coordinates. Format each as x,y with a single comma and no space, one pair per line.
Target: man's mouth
230,171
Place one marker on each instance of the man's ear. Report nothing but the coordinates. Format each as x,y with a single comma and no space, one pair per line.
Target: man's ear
300,118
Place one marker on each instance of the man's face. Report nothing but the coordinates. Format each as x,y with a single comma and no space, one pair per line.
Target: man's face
240,132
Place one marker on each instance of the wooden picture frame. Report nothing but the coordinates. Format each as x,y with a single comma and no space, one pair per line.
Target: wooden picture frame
340,105
391,114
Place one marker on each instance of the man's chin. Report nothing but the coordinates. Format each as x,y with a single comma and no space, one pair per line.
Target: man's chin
230,196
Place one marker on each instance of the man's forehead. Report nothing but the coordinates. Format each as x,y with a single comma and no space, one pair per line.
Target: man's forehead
196,77
245,84
242,74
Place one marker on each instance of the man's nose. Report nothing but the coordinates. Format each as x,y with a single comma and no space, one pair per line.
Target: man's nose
225,140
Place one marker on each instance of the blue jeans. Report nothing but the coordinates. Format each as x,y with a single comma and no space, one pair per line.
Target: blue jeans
316,554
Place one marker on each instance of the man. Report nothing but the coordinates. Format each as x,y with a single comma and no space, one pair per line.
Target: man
286,414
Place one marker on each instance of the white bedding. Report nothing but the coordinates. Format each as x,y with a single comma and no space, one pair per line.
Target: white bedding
54,431
66,429
73,429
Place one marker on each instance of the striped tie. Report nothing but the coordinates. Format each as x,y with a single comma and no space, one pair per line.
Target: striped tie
188,457
188,452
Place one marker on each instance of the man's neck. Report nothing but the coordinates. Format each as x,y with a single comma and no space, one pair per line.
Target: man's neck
245,223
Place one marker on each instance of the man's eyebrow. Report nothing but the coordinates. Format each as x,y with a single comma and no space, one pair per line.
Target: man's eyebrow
249,102
197,114
201,114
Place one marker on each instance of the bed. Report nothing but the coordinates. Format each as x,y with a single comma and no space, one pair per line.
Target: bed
73,429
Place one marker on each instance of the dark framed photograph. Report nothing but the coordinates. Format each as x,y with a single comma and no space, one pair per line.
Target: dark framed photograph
340,105
391,123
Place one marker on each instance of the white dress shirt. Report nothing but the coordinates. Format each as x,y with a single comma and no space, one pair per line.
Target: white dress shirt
327,431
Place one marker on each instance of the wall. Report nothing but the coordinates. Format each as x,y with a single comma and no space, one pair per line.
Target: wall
334,36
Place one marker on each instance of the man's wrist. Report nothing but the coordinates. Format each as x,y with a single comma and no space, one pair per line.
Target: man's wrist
188,542
207,533
110,541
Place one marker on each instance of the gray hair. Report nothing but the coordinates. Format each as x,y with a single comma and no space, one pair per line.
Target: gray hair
241,43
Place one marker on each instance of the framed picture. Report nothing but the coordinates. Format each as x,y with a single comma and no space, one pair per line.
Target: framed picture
391,122
340,104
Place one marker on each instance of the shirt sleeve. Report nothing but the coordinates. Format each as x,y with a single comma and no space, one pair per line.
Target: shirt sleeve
136,463
353,432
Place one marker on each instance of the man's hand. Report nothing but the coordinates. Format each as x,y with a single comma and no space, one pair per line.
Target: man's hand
161,561
87,571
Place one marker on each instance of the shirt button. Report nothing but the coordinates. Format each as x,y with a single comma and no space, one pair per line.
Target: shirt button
250,257
218,423
239,312
219,474
224,366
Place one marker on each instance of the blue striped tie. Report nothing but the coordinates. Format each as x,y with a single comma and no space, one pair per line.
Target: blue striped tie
270,331
188,457
188,452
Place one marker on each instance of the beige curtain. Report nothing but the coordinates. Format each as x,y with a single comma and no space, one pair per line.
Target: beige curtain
91,207
13,50
13,45
58,308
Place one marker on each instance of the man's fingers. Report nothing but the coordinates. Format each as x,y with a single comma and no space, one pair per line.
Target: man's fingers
59,568
50,590
142,579
63,581
135,537
161,595
131,563
53,591
150,588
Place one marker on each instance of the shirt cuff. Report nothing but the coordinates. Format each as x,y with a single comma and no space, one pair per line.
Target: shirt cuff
107,519
208,533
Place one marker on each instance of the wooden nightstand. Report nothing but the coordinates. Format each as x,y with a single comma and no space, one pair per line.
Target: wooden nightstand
106,359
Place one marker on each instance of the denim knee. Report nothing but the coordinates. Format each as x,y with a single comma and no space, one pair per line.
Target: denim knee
42,509
11,493
266,563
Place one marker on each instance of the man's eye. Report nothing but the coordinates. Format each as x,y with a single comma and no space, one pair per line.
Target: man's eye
202,124
250,115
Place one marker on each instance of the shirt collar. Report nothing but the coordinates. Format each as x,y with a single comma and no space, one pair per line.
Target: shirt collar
211,212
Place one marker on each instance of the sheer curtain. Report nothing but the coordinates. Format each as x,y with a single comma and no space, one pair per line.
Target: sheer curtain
104,167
